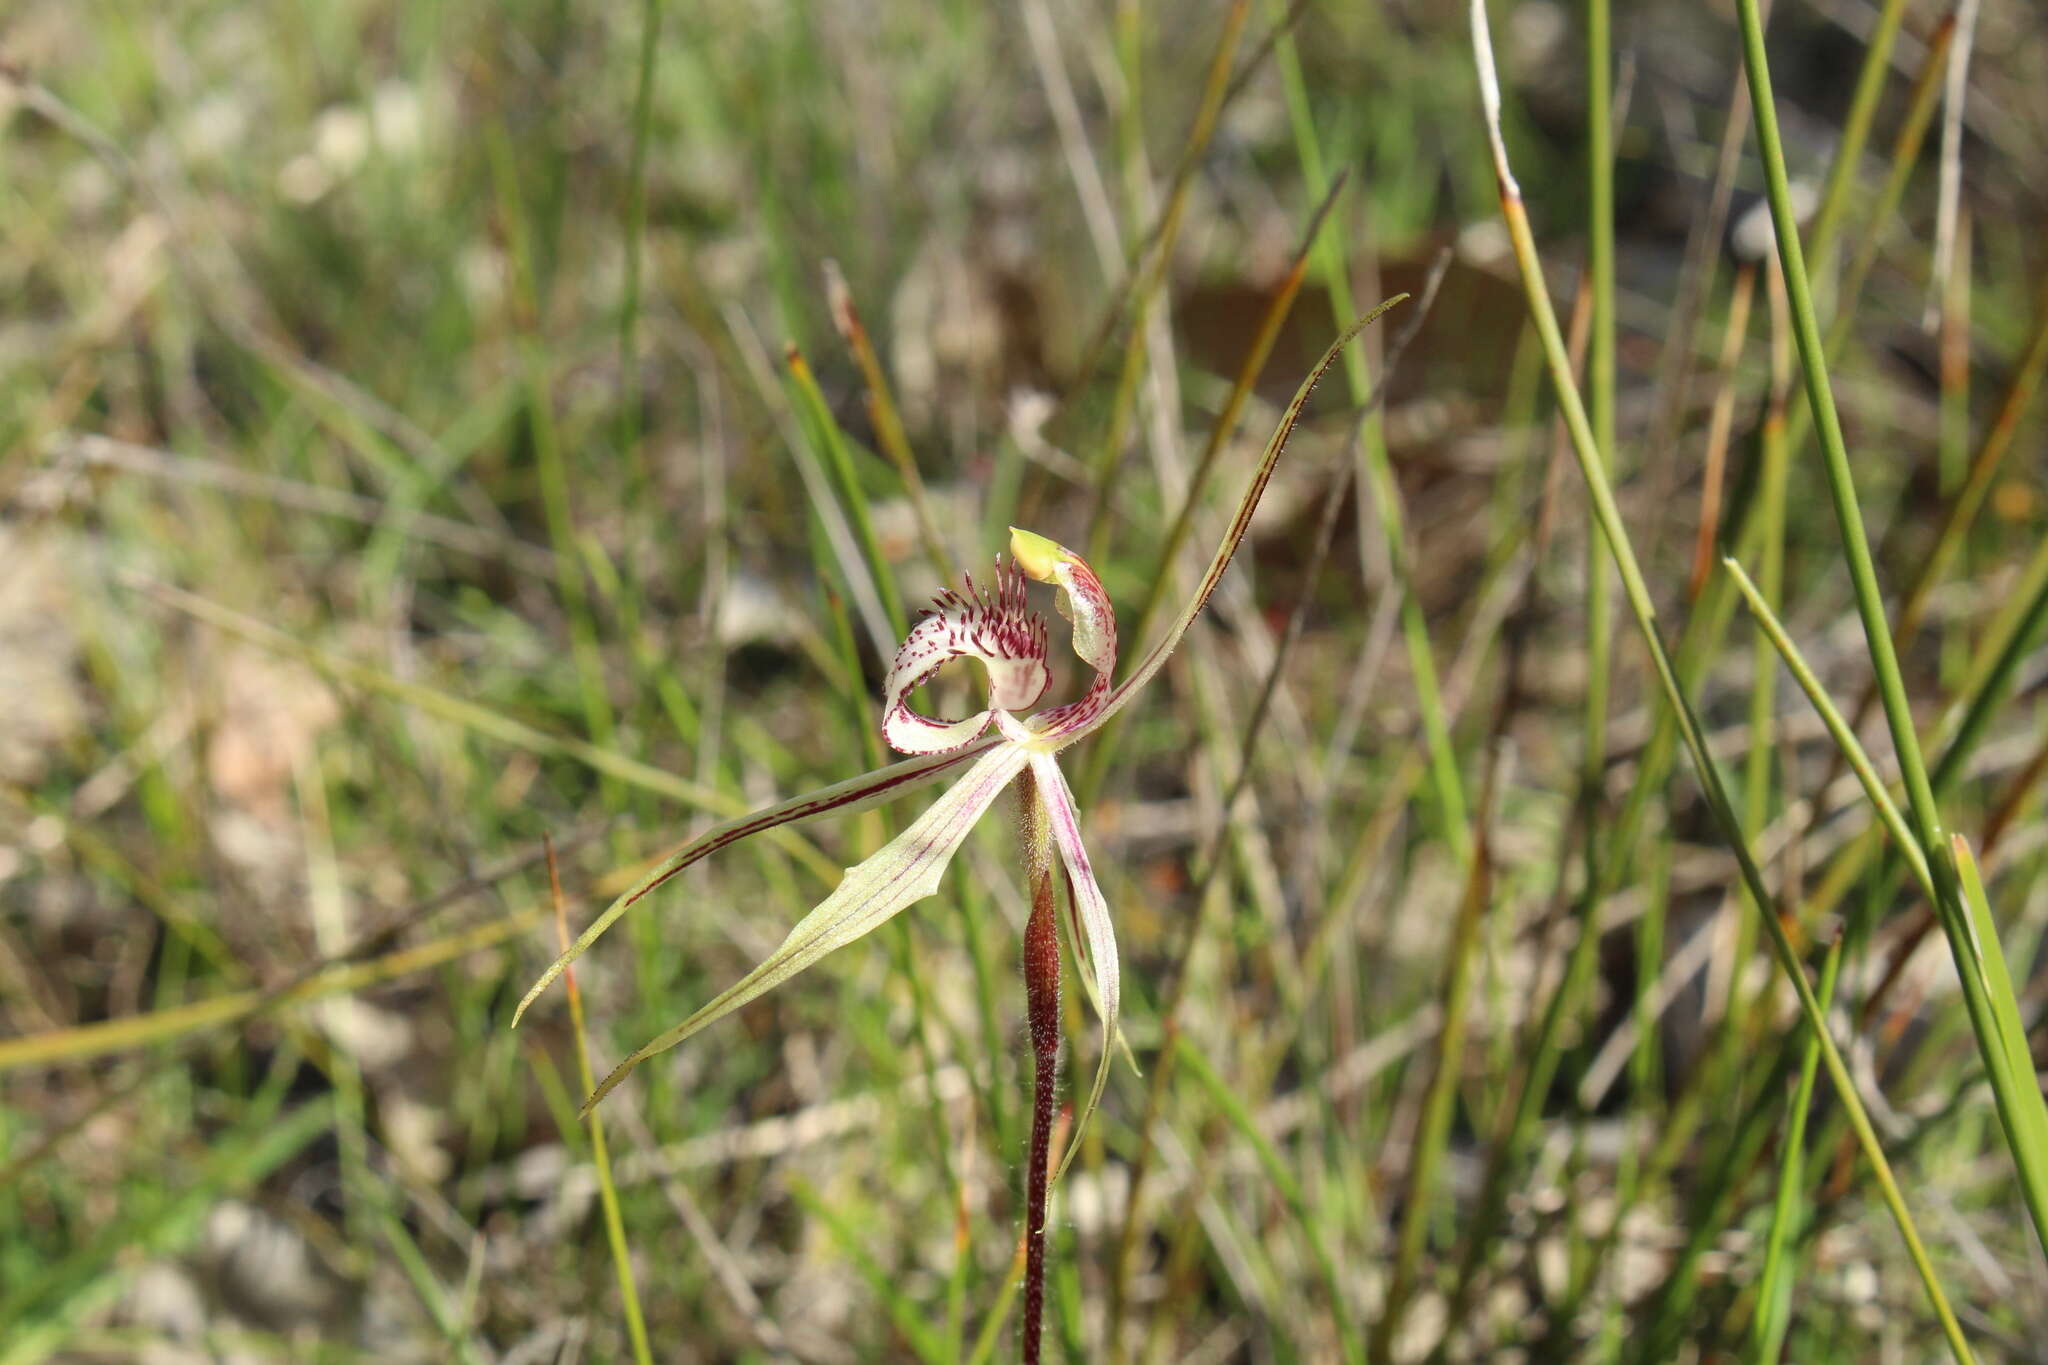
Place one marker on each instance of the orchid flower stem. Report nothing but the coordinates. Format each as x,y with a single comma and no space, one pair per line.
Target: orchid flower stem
1042,995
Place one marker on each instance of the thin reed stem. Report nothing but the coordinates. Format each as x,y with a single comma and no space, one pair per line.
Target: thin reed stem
2018,1092
1644,611
825,431
1788,1209
1719,426
1434,1122
1145,294
607,1188
1600,381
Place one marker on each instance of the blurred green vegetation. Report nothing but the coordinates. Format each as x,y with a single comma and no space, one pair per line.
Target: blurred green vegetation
398,465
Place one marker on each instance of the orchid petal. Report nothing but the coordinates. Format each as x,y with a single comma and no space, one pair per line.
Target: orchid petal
995,627
1095,922
1095,718
841,798
904,871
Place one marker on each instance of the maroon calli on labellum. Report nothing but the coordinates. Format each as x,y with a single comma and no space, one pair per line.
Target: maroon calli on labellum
997,628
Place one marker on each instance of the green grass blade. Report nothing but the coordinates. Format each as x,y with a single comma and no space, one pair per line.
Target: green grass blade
1838,728
1438,1104
1774,1285
1376,474
1827,422
2026,1124
126,1032
633,231
550,467
886,420
600,1155
482,719
1870,78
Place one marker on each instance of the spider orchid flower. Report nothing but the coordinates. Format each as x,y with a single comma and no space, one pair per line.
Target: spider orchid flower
982,754
987,750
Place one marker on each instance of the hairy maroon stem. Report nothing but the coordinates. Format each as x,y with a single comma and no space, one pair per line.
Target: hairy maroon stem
1042,997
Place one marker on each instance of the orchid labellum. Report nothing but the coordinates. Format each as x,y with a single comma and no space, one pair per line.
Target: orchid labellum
983,754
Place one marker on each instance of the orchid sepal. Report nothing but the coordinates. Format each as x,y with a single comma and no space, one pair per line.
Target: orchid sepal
855,794
1155,659
902,872
1092,909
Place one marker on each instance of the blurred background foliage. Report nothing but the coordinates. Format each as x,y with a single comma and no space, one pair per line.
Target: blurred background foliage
397,466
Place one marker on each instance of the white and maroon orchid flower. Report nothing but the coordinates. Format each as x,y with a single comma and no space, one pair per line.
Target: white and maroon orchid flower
995,626
982,753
